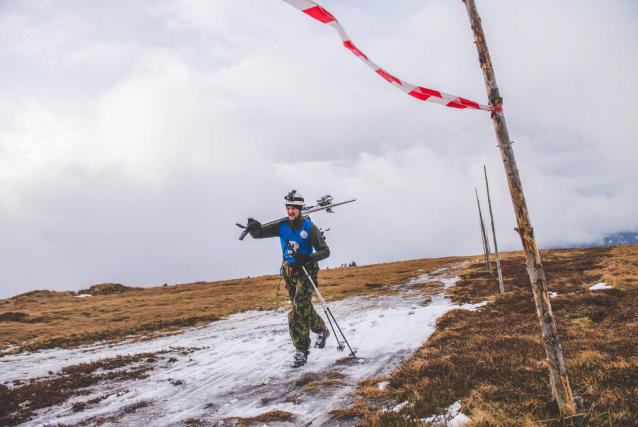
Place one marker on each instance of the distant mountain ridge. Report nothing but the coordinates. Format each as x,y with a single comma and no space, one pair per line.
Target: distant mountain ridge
622,238
625,238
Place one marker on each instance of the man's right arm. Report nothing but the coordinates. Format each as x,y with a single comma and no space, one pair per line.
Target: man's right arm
271,230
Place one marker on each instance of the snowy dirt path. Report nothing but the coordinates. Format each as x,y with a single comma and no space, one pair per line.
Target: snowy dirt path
238,367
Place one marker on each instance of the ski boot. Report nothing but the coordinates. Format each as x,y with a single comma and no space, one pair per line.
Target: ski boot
299,359
322,337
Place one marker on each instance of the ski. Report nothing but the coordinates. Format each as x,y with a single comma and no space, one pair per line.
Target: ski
325,203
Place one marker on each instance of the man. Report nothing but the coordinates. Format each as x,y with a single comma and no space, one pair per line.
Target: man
304,236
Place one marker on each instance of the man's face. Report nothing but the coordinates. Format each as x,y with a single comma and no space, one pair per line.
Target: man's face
293,213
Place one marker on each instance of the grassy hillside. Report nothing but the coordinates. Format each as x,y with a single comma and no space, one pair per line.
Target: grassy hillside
44,319
493,360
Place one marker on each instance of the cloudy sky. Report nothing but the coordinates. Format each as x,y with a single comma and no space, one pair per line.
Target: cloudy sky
134,134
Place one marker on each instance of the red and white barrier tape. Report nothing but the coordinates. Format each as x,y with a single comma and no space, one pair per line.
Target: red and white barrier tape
424,94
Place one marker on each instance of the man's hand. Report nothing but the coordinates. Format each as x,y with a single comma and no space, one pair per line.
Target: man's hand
302,258
253,225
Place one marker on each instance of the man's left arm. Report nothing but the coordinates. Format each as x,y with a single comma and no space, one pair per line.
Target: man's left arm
322,251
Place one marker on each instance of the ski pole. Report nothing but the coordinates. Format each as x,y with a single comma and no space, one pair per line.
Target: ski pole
326,309
340,346
329,313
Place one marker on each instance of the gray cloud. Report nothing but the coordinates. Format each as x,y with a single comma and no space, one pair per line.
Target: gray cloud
135,136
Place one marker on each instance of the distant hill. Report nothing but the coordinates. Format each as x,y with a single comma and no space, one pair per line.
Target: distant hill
620,239
623,238
107,289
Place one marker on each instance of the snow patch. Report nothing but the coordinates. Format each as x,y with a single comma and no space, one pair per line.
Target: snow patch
553,294
452,418
383,385
400,406
598,286
473,307
83,296
449,282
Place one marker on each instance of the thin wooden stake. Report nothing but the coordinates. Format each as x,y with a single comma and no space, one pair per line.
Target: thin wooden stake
498,261
558,373
486,242
482,235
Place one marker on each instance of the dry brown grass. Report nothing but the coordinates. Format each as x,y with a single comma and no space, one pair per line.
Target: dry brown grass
114,418
335,375
316,385
45,319
109,288
268,417
493,360
22,399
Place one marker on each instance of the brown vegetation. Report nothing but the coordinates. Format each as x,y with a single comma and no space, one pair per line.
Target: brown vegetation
493,359
313,386
268,417
110,419
45,319
21,399
108,288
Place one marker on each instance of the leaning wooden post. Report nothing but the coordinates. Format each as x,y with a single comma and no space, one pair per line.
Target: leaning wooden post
486,242
558,373
498,261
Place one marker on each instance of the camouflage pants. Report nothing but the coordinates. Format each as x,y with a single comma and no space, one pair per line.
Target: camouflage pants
302,318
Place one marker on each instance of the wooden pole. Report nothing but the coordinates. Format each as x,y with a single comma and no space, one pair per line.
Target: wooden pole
481,224
486,242
558,373
487,245
498,261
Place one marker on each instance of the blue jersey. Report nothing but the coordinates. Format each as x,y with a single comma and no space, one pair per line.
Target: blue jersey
299,239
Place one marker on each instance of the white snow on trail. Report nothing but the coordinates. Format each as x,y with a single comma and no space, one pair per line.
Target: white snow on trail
240,368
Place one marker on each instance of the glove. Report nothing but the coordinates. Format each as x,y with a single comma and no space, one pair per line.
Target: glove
253,225
302,258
